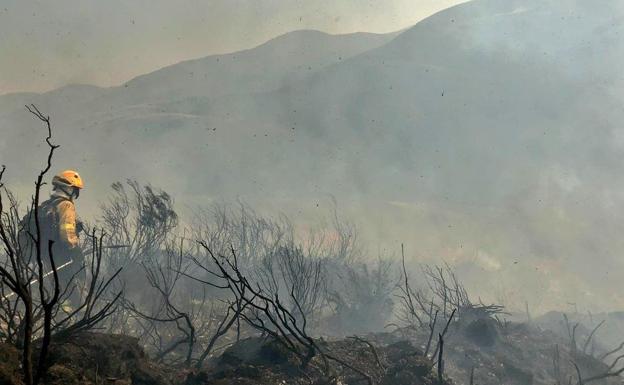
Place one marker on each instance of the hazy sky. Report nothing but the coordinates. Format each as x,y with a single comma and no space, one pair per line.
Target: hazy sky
48,44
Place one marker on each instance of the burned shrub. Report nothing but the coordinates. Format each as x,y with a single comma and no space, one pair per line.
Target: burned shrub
140,219
360,296
482,332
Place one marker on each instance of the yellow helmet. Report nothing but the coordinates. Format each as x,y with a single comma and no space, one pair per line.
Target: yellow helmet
68,178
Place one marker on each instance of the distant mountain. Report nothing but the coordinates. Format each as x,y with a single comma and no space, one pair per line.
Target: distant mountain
270,66
488,134
183,98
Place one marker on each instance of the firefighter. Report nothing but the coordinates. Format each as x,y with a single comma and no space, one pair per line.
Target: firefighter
66,189
58,222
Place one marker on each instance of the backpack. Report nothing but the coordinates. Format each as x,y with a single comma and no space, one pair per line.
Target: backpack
48,223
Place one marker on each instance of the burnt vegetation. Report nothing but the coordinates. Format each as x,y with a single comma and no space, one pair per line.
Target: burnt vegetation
232,296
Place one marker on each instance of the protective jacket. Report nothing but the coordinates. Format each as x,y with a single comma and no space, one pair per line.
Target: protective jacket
60,218
57,223
66,216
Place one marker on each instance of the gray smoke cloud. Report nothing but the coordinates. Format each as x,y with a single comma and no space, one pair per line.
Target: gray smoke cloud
486,136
